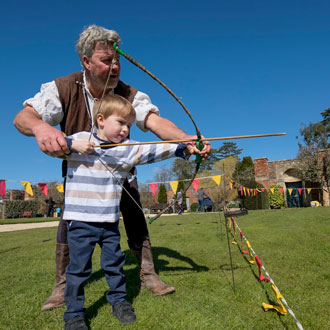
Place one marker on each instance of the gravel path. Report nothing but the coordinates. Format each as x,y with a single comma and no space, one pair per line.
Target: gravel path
24,226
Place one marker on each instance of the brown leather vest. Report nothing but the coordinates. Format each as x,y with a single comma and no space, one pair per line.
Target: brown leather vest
76,118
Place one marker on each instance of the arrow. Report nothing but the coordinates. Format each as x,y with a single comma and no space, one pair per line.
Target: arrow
189,140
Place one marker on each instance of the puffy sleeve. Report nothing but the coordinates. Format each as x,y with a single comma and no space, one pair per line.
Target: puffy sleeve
142,105
47,104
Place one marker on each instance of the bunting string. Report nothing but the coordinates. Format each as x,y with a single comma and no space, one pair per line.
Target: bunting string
280,298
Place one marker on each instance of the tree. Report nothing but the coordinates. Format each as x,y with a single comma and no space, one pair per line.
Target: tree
244,171
182,169
226,150
229,149
314,153
162,194
163,174
224,167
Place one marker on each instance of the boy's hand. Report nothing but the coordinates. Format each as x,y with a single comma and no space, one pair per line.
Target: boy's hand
84,147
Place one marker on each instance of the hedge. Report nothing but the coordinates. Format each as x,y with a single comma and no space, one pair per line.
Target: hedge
14,208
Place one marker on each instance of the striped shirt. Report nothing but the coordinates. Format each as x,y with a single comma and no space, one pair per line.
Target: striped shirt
93,183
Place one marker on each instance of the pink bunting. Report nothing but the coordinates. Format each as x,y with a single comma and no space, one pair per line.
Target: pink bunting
242,191
261,277
3,188
195,184
153,187
299,190
44,188
243,251
262,189
281,190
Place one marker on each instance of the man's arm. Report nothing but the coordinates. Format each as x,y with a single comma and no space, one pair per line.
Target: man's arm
50,140
167,130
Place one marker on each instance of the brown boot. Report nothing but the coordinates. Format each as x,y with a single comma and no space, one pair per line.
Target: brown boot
148,276
57,297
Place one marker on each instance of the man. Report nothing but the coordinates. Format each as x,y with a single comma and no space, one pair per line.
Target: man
201,196
68,101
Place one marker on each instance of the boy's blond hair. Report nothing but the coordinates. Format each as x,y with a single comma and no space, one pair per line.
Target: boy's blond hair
113,104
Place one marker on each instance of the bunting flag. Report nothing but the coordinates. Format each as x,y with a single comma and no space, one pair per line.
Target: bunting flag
309,190
153,187
231,183
262,189
27,187
60,188
195,184
234,228
243,251
217,179
299,191
281,191
272,190
290,190
261,277
174,186
279,308
251,261
241,190
3,188
44,188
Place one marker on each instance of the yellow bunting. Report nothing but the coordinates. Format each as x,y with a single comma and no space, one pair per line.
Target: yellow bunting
290,190
272,190
231,184
309,190
60,187
281,309
27,187
174,186
217,179
252,260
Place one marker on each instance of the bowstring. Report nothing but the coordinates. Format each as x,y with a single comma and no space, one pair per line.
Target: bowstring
114,61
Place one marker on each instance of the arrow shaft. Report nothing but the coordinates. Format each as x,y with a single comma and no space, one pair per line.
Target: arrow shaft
191,140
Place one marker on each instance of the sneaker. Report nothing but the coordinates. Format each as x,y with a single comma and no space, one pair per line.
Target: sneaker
124,312
77,323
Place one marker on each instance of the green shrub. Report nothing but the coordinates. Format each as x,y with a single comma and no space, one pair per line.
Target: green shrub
194,207
276,199
14,208
232,205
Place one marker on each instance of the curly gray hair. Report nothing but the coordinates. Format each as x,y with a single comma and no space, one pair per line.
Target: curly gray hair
90,35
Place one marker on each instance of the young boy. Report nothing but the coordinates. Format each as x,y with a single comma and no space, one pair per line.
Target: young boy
92,194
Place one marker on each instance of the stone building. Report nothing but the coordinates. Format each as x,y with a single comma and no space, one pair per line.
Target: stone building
286,174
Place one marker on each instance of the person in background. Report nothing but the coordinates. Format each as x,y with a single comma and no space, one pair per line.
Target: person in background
201,196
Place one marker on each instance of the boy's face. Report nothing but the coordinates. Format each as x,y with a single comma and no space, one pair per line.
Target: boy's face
115,128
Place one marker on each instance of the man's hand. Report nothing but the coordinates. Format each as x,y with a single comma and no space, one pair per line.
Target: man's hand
50,140
192,147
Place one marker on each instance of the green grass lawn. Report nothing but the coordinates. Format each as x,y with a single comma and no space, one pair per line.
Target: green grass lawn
191,253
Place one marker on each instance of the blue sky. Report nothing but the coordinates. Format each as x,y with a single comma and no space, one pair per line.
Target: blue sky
241,67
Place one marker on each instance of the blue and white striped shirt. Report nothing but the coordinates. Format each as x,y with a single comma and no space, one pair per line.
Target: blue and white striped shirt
92,190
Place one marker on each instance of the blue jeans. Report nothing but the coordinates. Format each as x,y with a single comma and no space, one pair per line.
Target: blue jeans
82,238
201,205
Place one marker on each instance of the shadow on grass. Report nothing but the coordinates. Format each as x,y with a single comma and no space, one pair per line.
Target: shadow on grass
132,275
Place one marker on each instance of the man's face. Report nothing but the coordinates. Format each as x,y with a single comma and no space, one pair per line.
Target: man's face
99,64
